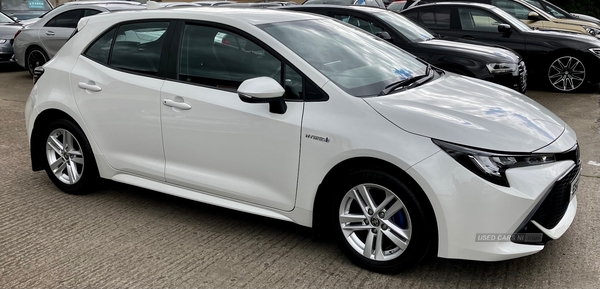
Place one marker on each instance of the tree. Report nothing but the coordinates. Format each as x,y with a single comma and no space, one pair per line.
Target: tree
587,7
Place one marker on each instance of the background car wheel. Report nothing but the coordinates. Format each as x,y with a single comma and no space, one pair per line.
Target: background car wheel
35,57
566,74
379,222
69,161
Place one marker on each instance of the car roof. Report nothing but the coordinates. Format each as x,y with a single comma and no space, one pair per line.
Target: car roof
250,16
92,2
482,5
371,9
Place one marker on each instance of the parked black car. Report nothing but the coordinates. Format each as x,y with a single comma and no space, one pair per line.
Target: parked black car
565,61
490,63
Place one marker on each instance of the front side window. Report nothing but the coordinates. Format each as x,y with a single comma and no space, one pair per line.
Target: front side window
478,20
223,59
360,23
435,18
359,64
517,10
67,19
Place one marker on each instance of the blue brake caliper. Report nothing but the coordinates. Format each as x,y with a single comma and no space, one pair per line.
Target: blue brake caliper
399,219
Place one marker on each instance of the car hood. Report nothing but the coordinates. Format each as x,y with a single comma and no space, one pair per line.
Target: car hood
563,36
479,51
8,31
576,22
471,112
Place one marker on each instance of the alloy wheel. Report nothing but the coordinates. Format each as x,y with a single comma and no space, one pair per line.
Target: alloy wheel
34,59
65,157
566,73
375,222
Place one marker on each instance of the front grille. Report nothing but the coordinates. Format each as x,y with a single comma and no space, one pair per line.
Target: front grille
553,208
522,76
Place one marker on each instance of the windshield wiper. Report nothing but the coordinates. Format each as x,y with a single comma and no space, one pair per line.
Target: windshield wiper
407,82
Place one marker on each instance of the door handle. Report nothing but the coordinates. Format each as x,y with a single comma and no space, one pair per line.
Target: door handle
50,33
175,104
469,37
91,86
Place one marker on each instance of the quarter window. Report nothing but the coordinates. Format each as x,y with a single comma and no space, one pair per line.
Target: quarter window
435,18
67,19
90,12
478,20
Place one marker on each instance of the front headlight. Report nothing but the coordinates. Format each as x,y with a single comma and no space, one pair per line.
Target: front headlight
491,165
592,30
502,68
595,51
2,41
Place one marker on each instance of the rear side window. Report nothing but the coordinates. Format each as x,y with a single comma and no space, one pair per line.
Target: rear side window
436,18
67,19
135,47
360,23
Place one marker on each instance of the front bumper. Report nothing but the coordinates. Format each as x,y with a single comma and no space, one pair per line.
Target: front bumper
6,52
467,206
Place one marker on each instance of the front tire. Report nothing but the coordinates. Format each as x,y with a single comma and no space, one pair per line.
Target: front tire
35,57
566,74
69,161
379,223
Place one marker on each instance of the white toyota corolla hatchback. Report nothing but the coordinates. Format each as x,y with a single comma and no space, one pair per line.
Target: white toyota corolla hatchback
305,119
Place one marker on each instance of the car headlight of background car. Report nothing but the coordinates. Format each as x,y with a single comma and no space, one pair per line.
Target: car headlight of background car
503,68
492,165
591,30
2,41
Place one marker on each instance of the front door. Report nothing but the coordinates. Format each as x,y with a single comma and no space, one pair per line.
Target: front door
218,144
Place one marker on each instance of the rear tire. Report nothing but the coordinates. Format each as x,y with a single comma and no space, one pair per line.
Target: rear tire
379,223
35,57
69,161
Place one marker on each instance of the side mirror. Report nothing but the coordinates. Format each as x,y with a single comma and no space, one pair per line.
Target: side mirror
37,73
263,90
15,18
384,35
533,16
504,28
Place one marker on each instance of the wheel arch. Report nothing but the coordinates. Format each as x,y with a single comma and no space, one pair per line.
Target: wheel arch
323,199
39,125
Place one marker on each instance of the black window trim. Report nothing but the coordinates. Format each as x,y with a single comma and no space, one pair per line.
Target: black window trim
174,56
81,11
162,68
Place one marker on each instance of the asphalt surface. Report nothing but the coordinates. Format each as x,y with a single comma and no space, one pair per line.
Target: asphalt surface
121,236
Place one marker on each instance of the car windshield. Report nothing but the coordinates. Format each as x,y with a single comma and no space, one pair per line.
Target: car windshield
405,26
557,11
396,6
514,22
24,5
359,63
5,19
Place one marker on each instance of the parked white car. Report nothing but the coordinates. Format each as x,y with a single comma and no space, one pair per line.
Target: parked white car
289,116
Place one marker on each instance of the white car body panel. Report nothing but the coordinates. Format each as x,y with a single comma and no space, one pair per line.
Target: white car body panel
351,127
124,116
235,149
